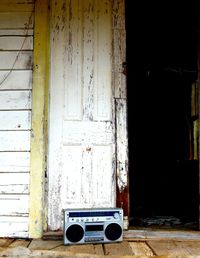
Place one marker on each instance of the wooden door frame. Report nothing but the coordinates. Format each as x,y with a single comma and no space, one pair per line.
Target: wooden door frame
39,118
40,113
198,81
120,95
37,210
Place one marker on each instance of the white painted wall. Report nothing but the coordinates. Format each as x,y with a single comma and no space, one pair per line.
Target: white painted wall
16,49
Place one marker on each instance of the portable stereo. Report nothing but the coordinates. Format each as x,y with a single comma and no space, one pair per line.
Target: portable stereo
83,226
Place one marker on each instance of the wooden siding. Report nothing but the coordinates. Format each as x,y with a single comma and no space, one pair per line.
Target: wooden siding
16,48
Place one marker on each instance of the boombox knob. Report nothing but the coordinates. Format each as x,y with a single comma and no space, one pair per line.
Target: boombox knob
113,231
74,233
116,215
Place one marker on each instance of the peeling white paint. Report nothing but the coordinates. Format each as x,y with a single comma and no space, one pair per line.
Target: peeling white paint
81,143
15,115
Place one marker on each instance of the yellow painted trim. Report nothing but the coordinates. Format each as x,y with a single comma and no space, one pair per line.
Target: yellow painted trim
38,137
46,111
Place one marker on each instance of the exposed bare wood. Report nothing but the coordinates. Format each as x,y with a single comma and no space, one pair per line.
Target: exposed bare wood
24,249
168,247
119,48
141,248
122,248
89,249
39,244
119,14
53,235
190,247
5,242
119,82
20,242
119,58
122,155
198,82
161,234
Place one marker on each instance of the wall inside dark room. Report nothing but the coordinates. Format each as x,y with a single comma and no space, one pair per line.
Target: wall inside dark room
162,69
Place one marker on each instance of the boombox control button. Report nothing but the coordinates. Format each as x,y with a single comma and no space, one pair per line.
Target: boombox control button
116,215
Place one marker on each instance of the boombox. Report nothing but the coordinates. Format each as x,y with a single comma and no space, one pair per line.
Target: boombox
83,226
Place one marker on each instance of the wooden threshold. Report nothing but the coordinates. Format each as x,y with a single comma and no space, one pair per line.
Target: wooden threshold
143,234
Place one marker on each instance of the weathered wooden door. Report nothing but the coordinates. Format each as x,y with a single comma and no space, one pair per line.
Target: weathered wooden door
81,170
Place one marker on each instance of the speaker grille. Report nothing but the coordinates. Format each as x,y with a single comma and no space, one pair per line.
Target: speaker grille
74,233
113,231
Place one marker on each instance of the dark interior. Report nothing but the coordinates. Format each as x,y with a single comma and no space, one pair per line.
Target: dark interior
162,113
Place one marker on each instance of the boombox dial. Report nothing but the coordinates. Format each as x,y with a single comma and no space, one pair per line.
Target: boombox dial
93,225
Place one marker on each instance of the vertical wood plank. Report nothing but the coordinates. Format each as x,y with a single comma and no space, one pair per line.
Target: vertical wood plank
198,81
58,36
73,61
103,63
122,158
40,81
119,48
119,63
88,63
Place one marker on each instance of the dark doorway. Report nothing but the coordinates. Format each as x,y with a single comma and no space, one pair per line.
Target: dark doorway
162,113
